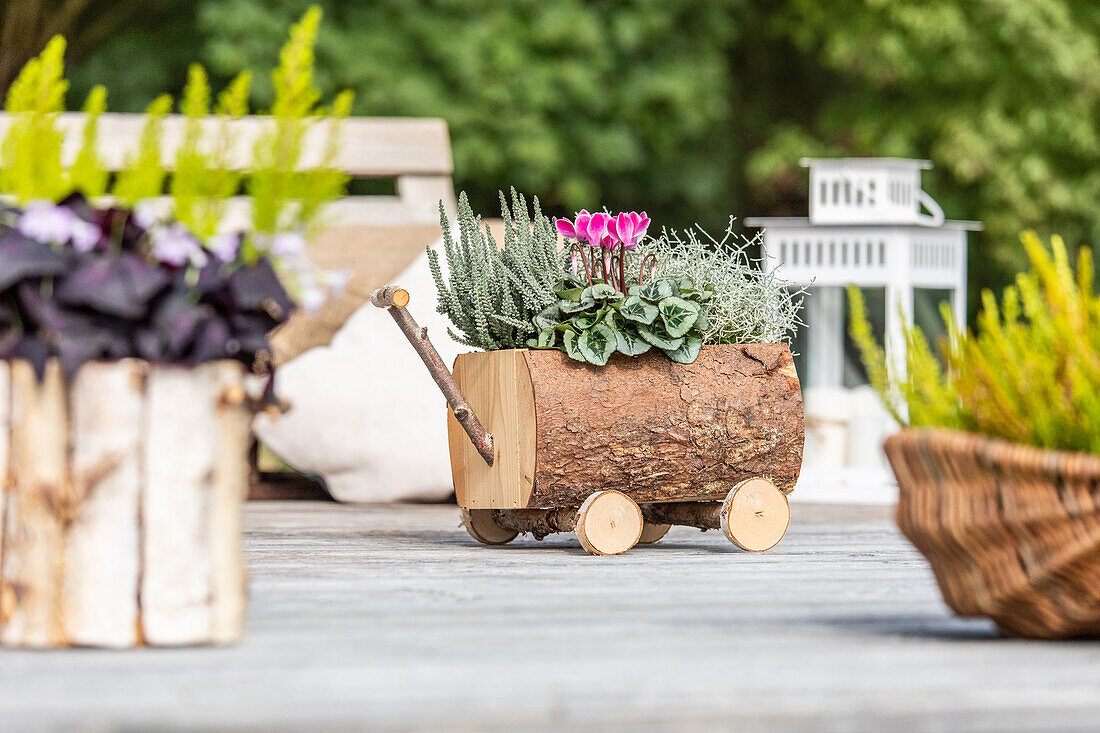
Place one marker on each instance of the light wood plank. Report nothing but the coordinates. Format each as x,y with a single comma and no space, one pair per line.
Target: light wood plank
40,501
181,435
491,383
381,147
100,593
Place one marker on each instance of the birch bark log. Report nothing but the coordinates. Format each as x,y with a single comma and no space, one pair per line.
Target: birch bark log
120,514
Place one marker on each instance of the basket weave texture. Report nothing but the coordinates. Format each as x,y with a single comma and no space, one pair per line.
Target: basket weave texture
1011,531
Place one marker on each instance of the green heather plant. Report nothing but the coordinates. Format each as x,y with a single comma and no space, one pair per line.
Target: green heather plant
491,293
1030,373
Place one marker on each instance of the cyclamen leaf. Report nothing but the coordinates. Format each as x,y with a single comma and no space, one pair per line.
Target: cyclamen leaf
548,318
568,306
659,340
545,340
629,343
688,351
679,315
658,289
597,344
573,294
585,321
636,309
571,348
702,323
600,291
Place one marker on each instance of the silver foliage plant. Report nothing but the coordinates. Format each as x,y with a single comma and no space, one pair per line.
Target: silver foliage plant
749,305
492,293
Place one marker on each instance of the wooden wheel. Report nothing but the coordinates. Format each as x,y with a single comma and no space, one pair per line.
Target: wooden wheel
481,526
651,532
755,515
608,523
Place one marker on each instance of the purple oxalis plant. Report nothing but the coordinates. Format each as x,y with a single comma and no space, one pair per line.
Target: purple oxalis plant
80,283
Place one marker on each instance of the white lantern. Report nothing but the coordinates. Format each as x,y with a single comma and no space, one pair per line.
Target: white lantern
870,225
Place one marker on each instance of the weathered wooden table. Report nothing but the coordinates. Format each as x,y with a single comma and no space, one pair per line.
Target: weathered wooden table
392,618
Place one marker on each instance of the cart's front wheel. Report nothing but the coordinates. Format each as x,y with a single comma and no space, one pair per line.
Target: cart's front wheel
755,515
481,526
608,523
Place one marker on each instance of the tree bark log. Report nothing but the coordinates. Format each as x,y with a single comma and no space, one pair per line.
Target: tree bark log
538,522
661,431
193,578
40,503
701,514
102,549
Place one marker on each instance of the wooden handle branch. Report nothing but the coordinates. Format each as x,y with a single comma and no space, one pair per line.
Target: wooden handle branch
394,299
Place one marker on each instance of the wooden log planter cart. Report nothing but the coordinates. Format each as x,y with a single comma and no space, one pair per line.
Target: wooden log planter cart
540,443
120,515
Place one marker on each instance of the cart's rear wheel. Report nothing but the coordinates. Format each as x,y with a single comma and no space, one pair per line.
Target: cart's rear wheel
608,523
652,532
755,515
481,526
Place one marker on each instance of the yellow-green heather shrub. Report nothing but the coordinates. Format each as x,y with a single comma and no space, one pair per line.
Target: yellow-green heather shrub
30,155
283,196
88,174
1030,373
143,175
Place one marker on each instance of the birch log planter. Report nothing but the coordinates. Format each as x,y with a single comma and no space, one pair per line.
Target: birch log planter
120,515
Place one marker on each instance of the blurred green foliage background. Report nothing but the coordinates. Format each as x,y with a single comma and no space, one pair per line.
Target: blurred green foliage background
690,109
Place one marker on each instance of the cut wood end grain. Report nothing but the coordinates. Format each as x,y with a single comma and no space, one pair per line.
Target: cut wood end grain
608,523
755,515
391,295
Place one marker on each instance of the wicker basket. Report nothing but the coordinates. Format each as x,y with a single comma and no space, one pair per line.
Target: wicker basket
1012,532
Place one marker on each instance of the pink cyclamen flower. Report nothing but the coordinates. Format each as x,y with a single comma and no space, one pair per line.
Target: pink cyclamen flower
576,229
598,236
628,228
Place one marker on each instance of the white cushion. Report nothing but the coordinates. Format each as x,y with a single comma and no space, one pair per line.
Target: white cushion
364,413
